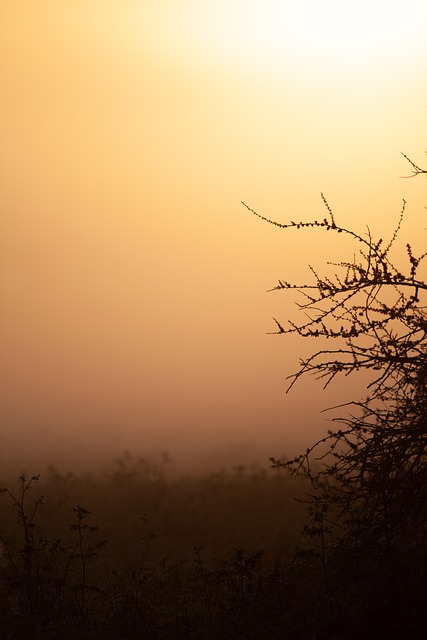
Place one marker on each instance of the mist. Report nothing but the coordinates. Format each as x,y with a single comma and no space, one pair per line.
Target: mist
135,313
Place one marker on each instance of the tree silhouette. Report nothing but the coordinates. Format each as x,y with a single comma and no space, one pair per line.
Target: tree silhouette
369,474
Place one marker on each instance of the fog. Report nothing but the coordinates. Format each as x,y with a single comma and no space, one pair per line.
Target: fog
135,313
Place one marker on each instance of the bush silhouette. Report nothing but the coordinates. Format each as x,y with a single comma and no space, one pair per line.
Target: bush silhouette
369,473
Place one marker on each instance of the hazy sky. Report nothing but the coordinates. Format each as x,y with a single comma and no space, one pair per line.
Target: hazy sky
133,282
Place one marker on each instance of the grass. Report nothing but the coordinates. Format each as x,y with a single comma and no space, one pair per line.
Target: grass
134,554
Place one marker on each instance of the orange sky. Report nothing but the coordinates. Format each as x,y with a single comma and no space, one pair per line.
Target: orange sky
133,282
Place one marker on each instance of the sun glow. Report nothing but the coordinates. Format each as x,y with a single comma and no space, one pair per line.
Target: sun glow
276,32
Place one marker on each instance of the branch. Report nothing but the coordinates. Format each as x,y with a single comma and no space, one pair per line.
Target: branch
416,170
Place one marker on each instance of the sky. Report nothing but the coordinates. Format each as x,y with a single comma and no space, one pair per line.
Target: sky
135,312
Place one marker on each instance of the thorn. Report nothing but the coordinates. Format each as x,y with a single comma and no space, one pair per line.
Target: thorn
281,329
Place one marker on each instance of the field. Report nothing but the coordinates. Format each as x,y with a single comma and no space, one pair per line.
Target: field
139,553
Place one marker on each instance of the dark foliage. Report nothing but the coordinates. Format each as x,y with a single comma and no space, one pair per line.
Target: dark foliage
61,579
186,557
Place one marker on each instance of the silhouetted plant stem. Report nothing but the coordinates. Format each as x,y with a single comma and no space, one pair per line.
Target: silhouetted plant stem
83,550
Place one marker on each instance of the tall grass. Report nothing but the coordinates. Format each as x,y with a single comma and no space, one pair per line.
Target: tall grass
216,556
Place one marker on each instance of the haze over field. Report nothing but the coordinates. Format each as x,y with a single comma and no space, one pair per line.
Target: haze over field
133,281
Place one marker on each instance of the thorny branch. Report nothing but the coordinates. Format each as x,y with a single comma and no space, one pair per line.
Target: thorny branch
373,472
369,305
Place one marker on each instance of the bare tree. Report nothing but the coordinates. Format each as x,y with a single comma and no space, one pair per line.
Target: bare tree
369,474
